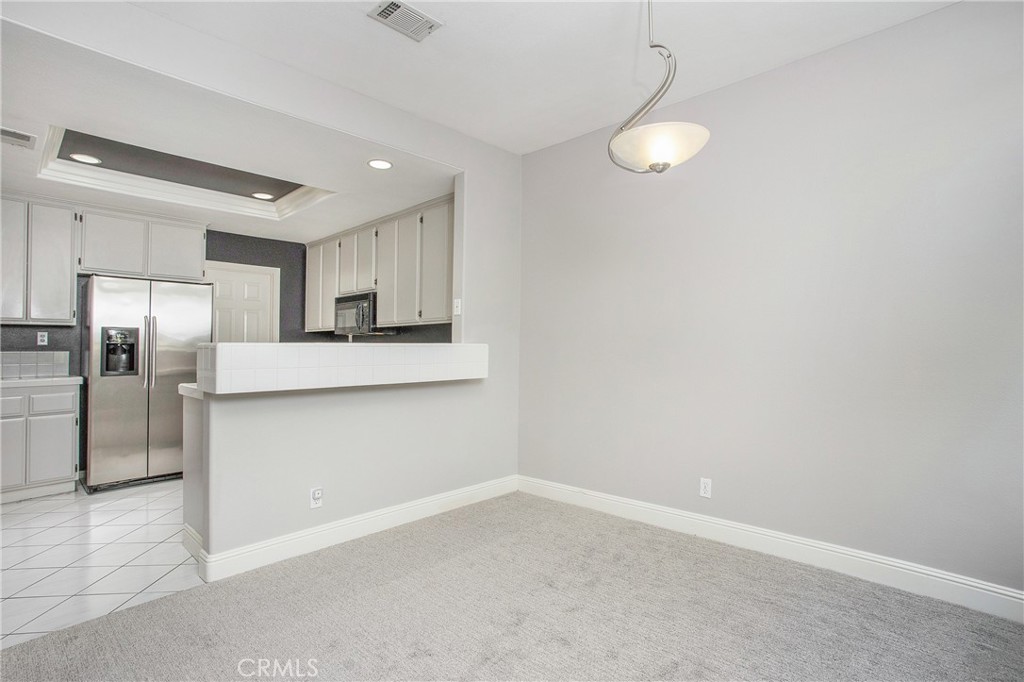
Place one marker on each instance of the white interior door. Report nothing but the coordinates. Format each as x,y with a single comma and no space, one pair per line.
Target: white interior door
246,302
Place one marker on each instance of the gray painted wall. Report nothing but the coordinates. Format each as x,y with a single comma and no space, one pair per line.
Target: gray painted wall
822,311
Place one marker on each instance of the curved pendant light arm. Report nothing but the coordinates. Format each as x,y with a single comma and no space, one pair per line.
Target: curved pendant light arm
652,101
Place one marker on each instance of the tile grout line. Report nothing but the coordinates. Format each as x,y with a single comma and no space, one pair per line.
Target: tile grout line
75,502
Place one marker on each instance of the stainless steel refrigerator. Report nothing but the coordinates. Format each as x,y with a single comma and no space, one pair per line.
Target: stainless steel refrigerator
142,343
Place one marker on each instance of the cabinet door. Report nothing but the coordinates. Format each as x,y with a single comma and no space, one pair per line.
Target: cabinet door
14,251
12,452
52,441
328,284
347,264
407,269
314,261
436,264
51,265
387,245
366,259
176,251
112,243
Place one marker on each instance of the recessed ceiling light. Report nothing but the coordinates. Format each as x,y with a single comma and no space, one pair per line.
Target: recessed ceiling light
84,158
379,164
262,195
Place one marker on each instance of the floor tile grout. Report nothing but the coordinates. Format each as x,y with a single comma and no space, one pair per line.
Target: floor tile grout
67,508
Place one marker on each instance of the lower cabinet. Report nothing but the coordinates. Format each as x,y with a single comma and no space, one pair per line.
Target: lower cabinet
38,440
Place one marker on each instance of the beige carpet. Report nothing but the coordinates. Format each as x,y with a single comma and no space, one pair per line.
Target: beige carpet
520,588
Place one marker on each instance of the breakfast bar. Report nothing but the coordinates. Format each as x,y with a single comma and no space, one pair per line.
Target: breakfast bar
265,425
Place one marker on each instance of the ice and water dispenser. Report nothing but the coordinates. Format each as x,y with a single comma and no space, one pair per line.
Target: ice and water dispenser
120,351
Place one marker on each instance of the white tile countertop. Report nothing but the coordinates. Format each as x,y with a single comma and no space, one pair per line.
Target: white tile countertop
224,368
40,381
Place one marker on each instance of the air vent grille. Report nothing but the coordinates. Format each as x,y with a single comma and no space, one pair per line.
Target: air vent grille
405,19
18,139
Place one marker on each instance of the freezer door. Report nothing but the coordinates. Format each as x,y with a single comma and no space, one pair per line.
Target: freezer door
117,405
181,318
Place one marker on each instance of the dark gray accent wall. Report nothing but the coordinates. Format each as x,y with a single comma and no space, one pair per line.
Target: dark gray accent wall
290,257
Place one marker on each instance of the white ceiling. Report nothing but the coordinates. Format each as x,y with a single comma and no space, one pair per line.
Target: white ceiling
527,75
519,75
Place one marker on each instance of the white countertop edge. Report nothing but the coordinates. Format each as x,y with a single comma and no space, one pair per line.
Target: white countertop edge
35,382
190,391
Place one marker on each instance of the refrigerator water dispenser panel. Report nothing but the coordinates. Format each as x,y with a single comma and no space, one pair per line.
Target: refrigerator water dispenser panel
120,351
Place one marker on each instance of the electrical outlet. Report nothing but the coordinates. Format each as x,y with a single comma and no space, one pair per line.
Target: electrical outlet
42,338
316,498
705,487
457,306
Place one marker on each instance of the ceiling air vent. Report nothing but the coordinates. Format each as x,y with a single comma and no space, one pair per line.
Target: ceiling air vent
405,19
18,139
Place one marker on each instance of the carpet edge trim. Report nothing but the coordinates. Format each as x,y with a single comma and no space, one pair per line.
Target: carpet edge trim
979,595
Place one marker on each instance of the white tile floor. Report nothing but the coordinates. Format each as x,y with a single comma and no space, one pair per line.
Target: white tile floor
73,557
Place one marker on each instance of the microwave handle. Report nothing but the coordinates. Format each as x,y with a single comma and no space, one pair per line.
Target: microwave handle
359,317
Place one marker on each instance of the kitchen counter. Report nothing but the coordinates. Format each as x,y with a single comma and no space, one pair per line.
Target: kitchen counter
36,382
229,368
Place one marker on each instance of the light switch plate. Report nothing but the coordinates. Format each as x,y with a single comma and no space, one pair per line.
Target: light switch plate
457,306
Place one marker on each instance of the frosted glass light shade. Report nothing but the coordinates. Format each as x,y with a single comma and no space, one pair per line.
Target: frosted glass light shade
659,146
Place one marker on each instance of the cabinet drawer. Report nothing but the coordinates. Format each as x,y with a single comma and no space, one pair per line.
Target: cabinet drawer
12,406
52,402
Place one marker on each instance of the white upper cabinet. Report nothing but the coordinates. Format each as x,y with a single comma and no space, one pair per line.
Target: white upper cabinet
357,261
140,246
14,250
314,288
407,269
176,250
414,268
406,259
113,243
387,244
366,259
329,284
436,264
321,284
38,263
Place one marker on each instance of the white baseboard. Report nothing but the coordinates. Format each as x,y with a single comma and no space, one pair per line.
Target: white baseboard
20,494
224,564
931,582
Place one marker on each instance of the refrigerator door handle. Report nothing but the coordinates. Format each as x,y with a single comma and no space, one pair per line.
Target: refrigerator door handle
144,351
152,352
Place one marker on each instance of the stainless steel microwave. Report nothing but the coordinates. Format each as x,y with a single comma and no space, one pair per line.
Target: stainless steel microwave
356,314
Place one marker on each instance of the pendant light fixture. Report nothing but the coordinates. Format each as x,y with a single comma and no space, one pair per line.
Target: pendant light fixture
655,147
